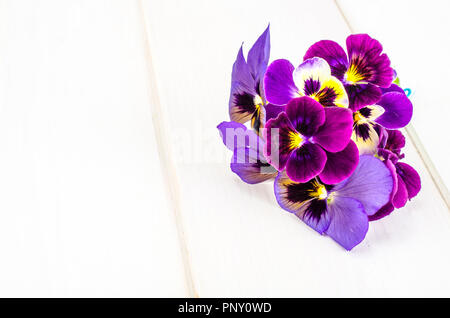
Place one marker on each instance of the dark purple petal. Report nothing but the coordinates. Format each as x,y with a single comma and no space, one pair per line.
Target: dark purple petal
299,198
306,115
235,135
340,165
395,141
410,177
306,162
360,95
392,88
278,135
371,184
272,111
381,213
258,56
366,62
398,110
251,166
401,196
279,85
331,52
349,222
242,104
335,133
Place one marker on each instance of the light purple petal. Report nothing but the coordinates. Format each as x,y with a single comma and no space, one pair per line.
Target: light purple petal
305,114
410,177
279,85
335,133
349,222
371,183
235,135
251,166
331,52
258,56
277,134
360,95
364,54
398,110
241,73
306,162
340,165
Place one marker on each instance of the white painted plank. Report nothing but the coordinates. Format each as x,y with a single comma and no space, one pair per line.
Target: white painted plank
241,243
83,208
415,34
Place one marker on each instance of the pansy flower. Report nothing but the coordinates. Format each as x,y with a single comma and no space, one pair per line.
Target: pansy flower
312,78
309,140
407,182
341,211
363,72
248,161
394,110
247,99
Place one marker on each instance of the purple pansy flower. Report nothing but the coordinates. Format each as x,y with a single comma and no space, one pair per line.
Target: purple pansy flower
312,78
248,161
309,140
340,211
364,71
247,101
407,182
394,110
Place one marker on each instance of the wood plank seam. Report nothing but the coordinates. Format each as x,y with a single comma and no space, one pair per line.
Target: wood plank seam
165,156
415,140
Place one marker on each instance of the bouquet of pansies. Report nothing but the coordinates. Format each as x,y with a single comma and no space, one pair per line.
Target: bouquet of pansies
325,131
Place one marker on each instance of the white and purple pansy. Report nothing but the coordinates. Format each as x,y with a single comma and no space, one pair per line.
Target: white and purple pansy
363,72
312,78
308,140
340,211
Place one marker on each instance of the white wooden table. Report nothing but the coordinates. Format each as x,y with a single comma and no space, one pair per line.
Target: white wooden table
113,179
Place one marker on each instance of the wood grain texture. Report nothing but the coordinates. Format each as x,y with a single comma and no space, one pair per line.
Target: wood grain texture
241,243
83,208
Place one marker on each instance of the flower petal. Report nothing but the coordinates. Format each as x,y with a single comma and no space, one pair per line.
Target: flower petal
241,74
367,64
333,53
258,56
392,88
309,75
335,133
340,165
332,93
306,162
371,184
278,134
251,166
398,110
306,115
366,138
272,111
235,135
349,222
381,213
298,198
360,95
401,196
279,86
242,103
410,177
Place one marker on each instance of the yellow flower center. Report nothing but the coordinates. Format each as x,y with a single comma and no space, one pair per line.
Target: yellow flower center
319,191
352,75
257,100
296,140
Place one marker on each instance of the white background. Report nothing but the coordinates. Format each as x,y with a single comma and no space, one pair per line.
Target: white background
113,179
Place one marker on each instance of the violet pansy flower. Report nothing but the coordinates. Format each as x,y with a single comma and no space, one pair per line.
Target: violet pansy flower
394,110
407,182
341,211
247,101
248,161
364,71
309,140
312,78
